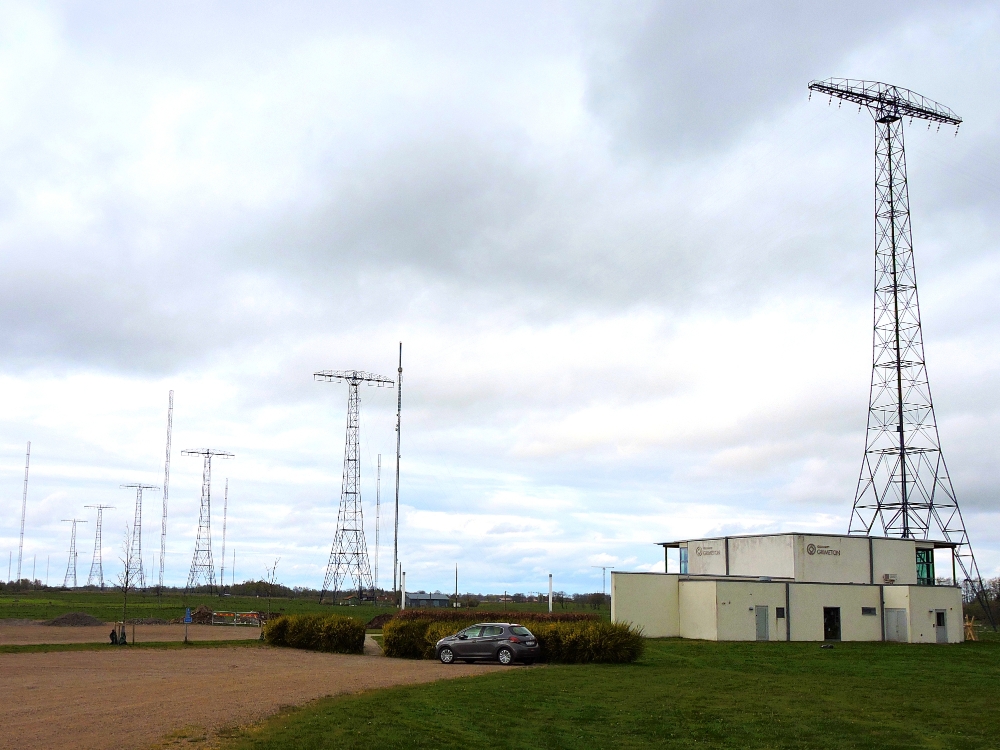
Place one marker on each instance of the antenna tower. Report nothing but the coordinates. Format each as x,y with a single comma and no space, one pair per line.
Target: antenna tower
97,564
166,487
202,567
136,572
225,508
349,554
71,563
24,507
378,507
904,489
399,411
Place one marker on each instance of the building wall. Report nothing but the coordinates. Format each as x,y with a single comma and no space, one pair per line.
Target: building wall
806,611
736,603
771,556
707,557
698,610
923,601
895,556
831,559
646,600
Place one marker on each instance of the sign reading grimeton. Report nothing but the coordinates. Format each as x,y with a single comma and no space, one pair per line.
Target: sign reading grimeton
822,549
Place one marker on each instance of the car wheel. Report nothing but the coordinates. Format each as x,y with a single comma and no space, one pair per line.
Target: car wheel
446,655
505,656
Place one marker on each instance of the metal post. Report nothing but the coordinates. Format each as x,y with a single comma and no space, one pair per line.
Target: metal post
550,593
402,590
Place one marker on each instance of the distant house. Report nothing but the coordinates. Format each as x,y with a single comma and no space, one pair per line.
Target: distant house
423,599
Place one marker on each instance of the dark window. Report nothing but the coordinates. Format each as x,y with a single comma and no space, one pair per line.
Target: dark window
831,623
520,630
869,611
940,619
492,631
925,567
684,559
779,612
472,632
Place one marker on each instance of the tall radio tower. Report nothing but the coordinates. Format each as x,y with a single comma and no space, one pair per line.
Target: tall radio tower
202,566
349,554
136,574
24,507
71,563
904,489
166,487
97,564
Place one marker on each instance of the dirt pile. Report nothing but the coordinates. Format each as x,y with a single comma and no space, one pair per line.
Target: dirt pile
379,621
202,615
74,620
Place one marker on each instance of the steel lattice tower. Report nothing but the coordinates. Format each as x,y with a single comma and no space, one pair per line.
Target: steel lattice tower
166,487
202,566
71,563
904,488
349,553
136,573
97,563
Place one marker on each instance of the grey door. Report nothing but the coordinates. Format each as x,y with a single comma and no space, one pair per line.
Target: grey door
762,622
489,640
941,625
467,641
895,625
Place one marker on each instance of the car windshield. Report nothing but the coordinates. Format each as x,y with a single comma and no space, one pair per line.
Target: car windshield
520,630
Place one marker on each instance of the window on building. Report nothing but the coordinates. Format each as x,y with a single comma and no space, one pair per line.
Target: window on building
779,613
925,567
684,559
870,611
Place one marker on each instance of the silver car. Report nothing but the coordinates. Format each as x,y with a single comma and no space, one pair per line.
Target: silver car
504,642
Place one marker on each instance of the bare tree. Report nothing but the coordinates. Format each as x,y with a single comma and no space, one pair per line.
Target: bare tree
125,582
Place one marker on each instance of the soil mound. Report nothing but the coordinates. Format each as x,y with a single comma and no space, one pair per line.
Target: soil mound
202,615
74,620
378,621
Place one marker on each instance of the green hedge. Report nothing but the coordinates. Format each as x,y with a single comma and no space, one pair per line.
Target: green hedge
342,635
578,642
462,615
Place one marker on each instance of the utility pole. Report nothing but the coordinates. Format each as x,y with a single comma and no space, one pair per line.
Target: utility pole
349,553
399,412
24,507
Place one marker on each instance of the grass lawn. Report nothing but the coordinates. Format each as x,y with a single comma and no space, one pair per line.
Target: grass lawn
680,694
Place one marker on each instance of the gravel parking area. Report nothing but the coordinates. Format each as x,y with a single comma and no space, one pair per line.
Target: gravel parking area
25,635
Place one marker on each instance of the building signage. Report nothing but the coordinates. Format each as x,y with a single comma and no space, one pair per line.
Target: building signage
706,551
822,549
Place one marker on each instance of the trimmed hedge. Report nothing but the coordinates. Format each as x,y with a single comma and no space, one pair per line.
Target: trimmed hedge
579,642
460,615
334,633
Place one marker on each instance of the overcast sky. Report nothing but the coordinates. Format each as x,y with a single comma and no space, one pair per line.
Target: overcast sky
629,261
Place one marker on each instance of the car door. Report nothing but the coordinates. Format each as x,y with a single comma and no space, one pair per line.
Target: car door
489,640
467,641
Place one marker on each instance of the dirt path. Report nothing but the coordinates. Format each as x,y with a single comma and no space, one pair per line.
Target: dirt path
127,699
23,635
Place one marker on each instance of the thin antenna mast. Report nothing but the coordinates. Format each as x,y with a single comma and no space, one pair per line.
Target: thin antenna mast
136,574
378,504
97,564
225,507
24,506
399,411
166,488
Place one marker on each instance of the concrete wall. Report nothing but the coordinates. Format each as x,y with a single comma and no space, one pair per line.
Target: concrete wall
831,559
923,601
806,611
646,600
897,556
772,556
698,610
707,557
736,602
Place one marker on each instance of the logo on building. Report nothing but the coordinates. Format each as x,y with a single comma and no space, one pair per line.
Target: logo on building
699,551
811,549
823,549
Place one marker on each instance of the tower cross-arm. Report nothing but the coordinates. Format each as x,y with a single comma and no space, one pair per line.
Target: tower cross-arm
886,100
354,377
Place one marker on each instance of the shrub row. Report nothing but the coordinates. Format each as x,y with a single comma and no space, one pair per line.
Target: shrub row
458,615
342,635
577,642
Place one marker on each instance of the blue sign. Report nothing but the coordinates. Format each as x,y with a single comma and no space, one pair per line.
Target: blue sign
187,615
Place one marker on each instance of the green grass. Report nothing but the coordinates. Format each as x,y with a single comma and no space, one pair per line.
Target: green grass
680,694
107,605
46,647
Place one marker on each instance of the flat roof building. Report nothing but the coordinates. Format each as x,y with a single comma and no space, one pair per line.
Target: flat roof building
795,587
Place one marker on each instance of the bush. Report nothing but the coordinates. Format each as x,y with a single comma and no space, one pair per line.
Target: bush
457,615
567,642
333,633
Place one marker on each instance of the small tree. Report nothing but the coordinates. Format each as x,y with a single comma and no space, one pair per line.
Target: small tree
125,578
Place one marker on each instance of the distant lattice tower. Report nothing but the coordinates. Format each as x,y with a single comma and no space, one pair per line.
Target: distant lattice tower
202,565
349,553
904,489
71,562
136,573
97,564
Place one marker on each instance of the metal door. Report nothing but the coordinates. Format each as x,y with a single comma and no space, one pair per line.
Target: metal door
941,625
762,621
895,625
831,623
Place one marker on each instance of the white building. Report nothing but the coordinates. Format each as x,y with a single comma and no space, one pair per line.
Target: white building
795,587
